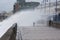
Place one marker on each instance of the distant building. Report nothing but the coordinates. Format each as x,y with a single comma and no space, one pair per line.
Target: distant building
3,15
16,7
21,4
21,1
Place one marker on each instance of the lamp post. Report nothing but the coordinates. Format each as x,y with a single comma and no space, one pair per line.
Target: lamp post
44,1
49,6
56,6
56,11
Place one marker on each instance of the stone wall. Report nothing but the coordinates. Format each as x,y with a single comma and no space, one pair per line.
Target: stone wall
10,34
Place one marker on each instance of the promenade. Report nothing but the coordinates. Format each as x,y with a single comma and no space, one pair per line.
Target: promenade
38,33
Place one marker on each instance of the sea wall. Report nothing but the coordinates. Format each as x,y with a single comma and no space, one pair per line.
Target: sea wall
10,34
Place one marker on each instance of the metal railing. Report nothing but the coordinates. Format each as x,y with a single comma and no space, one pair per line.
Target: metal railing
51,4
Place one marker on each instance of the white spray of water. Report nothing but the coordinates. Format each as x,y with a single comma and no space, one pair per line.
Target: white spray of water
27,17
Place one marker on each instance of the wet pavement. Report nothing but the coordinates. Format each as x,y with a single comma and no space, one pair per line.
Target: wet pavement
38,33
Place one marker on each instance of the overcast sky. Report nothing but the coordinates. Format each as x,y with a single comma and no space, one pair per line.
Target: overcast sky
7,5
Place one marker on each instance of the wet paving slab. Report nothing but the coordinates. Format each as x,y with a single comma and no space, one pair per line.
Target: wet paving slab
38,33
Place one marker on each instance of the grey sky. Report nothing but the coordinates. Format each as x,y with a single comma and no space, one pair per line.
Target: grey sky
7,5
